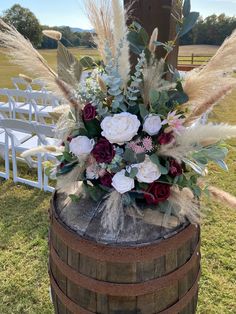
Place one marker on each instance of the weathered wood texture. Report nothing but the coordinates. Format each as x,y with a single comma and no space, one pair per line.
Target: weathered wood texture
156,13
89,276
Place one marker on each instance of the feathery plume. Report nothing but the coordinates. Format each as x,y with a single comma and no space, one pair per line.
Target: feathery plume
72,177
219,195
26,78
196,136
121,44
185,205
207,85
42,149
201,134
102,84
99,13
52,34
113,212
153,79
22,53
154,37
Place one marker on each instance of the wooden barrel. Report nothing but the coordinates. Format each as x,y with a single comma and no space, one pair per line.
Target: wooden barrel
144,269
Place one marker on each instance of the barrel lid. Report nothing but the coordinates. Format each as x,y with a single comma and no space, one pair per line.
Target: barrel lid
84,219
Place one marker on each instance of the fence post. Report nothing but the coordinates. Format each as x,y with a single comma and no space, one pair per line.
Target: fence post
156,13
192,60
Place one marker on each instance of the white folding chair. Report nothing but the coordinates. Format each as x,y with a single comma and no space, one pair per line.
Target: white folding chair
12,125
46,135
38,86
43,103
20,84
4,153
19,137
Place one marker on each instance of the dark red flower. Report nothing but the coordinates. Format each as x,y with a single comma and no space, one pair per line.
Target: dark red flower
89,112
175,169
103,151
165,138
69,139
62,165
157,192
106,180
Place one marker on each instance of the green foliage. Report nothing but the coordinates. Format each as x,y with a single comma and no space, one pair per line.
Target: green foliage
155,159
188,23
132,173
25,22
211,30
93,128
138,38
186,7
216,154
94,192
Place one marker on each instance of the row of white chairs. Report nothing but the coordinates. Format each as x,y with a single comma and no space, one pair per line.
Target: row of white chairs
27,105
18,136
35,85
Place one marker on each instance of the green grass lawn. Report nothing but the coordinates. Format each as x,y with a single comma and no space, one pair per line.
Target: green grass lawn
24,283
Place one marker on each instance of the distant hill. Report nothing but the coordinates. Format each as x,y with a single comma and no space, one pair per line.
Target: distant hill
80,30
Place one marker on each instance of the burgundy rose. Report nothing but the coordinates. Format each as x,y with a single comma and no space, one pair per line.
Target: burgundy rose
103,151
175,169
165,138
106,180
89,112
157,192
69,139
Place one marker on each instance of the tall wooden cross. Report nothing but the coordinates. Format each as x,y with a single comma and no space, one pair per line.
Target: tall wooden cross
156,13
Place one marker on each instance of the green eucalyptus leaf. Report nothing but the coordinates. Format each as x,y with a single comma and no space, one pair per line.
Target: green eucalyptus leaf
68,157
154,96
132,173
95,192
143,111
155,159
93,128
186,8
222,164
140,158
188,23
129,156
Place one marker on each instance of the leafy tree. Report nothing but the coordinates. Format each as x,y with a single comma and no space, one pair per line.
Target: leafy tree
210,31
25,22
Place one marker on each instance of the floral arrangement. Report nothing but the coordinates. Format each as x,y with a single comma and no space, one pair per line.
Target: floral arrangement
133,137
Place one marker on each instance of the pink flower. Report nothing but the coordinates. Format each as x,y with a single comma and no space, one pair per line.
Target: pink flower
147,144
174,122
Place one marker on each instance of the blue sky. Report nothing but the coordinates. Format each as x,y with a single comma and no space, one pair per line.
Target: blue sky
69,12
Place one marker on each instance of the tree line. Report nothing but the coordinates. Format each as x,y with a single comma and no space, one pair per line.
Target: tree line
28,25
211,30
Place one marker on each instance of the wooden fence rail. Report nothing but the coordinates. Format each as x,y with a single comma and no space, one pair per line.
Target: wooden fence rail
194,59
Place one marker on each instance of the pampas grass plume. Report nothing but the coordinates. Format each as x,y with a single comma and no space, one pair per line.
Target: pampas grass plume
154,37
26,78
102,84
52,34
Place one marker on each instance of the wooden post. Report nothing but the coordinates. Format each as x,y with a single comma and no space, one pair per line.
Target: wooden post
156,13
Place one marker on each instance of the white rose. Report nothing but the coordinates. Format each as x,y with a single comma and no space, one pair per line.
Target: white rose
81,146
120,128
152,125
121,183
148,172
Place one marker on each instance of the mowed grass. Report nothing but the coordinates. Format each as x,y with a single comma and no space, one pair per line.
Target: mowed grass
9,70
24,224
